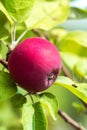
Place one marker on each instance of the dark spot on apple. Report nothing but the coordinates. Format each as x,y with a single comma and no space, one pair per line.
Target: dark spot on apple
52,76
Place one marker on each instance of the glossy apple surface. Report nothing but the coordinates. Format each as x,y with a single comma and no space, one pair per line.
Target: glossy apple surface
34,64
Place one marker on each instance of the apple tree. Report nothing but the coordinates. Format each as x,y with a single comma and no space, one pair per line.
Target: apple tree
36,53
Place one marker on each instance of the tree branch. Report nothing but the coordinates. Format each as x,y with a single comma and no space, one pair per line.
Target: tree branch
66,72
35,31
4,63
70,121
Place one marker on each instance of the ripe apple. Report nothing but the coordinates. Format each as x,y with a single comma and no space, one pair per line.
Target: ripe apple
34,64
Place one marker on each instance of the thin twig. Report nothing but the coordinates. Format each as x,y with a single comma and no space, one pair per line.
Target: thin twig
66,72
36,32
70,121
4,63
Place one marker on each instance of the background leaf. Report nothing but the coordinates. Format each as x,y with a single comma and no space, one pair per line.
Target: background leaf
7,86
8,117
79,107
75,42
80,69
48,15
74,46
49,100
77,13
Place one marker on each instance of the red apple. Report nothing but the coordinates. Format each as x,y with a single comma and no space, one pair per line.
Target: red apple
34,64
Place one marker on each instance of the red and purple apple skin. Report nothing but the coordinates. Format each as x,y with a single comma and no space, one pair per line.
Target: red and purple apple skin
35,64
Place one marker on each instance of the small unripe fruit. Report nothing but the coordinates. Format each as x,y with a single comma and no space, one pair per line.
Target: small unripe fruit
34,64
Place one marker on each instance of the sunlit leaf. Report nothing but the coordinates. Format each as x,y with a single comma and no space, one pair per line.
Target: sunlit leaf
27,116
47,14
57,34
82,87
34,117
19,10
72,59
76,65
40,122
81,68
50,102
7,86
78,89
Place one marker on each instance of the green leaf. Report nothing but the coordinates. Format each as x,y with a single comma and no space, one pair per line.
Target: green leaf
18,100
40,121
3,19
47,14
50,102
19,10
7,86
82,87
78,89
3,50
3,33
2,9
34,117
27,117
77,13
75,42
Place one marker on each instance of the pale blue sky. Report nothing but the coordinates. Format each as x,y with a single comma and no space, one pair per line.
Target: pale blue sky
79,3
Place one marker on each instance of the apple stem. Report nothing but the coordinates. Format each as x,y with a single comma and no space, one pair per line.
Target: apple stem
30,95
31,98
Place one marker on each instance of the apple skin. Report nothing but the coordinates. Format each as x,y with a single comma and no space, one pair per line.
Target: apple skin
34,64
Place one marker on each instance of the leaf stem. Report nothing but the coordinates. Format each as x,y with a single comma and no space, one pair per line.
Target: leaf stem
70,121
20,37
30,94
14,32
